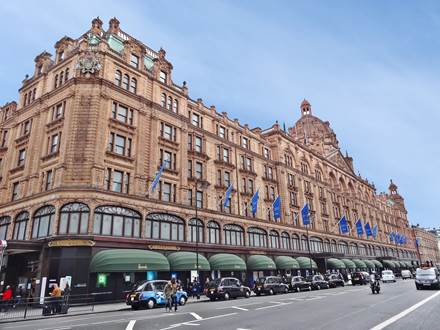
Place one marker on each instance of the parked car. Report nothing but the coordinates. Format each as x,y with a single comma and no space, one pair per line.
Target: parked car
359,278
270,285
298,283
150,294
226,288
318,282
405,274
427,277
335,280
388,276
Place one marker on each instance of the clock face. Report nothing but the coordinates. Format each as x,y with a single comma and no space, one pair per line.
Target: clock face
390,202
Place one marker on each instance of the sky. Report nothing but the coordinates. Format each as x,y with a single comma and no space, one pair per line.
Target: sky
371,68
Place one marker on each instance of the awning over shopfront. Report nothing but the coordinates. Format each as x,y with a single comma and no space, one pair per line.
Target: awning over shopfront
369,263
389,264
334,263
286,263
186,261
257,262
348,263
304,263
377,263
408,264
359,263
128,260
402,264
227,262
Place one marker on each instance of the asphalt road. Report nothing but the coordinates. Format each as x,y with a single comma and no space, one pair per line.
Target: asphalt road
341,308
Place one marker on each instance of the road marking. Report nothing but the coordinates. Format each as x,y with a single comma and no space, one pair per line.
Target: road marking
404,313
240,308
196,316
277,304
172,326
130,325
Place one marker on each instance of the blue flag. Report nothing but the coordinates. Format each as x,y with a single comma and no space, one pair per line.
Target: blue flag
359,228
397,238
368,230
305,215
343,225
157,178
227,196
254,203
391,236
417,242
277,208
374,231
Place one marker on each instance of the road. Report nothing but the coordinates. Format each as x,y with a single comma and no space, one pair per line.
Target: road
341,308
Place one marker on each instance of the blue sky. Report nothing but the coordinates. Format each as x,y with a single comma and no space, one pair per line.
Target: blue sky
369,67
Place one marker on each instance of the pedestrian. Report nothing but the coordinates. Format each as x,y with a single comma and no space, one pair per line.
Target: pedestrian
6,298
168,292
66,296
174,289
56,298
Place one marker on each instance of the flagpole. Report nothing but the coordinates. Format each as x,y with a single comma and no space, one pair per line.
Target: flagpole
308,245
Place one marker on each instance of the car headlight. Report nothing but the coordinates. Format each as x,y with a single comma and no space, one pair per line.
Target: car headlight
434,281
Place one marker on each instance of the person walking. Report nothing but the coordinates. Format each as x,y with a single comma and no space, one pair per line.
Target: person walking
56,297
174,289
168,292
6,298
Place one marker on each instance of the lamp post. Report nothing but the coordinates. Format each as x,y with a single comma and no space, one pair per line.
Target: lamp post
203,184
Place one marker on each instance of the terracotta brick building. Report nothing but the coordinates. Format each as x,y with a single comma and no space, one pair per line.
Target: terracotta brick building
92,126
428,248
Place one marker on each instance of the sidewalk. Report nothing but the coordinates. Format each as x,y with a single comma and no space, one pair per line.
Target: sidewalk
36,313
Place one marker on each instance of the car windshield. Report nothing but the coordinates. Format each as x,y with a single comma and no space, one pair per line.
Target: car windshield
425,272
159,286
139,286
387,272
319,278
214,283
261,280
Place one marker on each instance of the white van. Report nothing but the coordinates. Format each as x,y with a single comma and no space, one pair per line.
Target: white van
427,277
388,276
405,273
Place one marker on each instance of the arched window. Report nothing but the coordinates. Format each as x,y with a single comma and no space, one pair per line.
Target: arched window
304,243
343,247
195,225
334,247
133,85
67,75
274,239
116,221
377,251
353,249
125,81
316,244
56,81
165,227
176,106
285,241
233,234
170,103
42,221
118,78
74,219
163,100
363,250
61,78
296,245
213,232
21,221
4,225
257,237
327,246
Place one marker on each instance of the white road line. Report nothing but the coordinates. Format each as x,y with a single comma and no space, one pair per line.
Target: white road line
240,308
404,313
130,325
172,326
272,306
196,316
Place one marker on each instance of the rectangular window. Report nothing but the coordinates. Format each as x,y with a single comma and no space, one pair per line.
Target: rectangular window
134,61
163,77
166,159
222,132
190,169
266,153
198,144
190,142
269,173
21,157
245,142
15,190
4,138
248,164
250,188
165,191
219,177
122,113
291,179
48,184
199,170
199,199
26,127
195,119
117,177
119,145
226,155
58,111
293,198
227,178
168,132
54,143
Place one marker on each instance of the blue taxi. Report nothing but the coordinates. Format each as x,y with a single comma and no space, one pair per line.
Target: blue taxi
150,294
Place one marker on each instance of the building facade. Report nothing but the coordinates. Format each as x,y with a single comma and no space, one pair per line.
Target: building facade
427,246
91,128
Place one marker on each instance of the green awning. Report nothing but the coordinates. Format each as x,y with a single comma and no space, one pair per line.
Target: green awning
409,264
402,264
286,263
227,262
304,263
185,261
258,262
369,263
128,260
348,263
359,263
334,263
388,263
377,263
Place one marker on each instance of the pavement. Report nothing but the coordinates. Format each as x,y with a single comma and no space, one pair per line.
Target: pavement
398,306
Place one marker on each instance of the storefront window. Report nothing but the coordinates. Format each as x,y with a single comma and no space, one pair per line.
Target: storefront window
43,221
4,225
257,237
274,239
74,219
195,225
20,225
234,235
116,221
213,232
165,227
285,241
295,243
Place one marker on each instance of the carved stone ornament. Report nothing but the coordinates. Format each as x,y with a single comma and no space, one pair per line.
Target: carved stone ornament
89,63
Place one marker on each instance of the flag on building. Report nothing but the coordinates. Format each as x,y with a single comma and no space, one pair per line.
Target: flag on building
157,178
228,196
417,242
359,228
305,214
392,237
343,225
368,230
277,208
374,231
254,202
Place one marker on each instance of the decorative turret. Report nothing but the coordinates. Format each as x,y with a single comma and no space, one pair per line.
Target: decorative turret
306,108
42,63
96,26
113,26
395,197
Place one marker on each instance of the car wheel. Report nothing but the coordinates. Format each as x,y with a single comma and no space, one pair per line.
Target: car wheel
286,290
182,301
298,289
151,303
310,288
227,296
318,287
247,294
